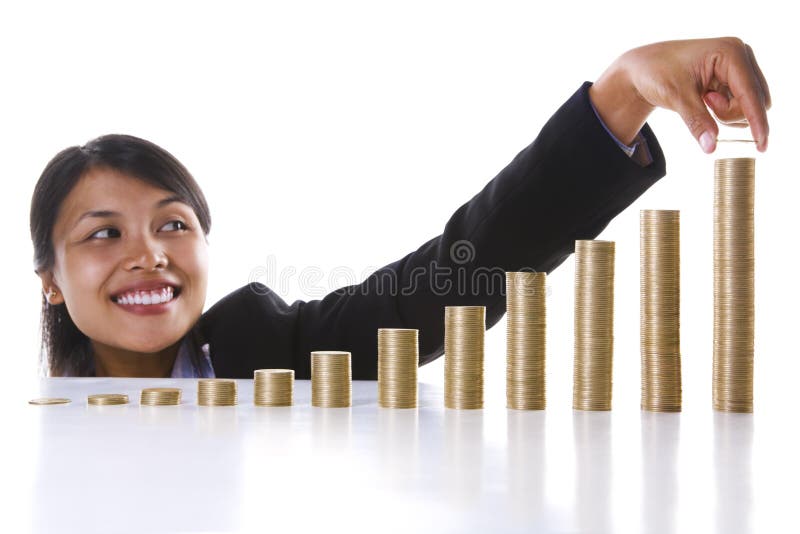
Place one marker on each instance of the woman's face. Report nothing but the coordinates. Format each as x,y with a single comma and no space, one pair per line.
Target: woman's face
149,243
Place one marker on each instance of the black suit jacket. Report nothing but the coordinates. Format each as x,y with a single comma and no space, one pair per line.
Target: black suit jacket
566,185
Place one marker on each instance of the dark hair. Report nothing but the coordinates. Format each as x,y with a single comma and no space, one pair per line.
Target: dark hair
65,348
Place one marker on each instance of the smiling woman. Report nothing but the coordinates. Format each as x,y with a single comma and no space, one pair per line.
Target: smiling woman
119,229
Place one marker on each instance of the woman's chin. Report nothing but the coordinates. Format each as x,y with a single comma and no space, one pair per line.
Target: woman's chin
154,343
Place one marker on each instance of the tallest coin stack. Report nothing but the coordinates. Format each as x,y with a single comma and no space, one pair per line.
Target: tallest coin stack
734,292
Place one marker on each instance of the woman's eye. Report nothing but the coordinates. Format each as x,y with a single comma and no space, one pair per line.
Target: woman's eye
180,225
97,234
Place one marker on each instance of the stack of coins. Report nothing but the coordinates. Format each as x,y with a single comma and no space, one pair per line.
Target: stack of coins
106,399
331,379
273,387
464,328
160,397
525,340
660,302
734,293
594,324
398,359
216,392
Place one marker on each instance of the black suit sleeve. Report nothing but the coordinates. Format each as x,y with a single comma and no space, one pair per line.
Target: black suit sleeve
566,185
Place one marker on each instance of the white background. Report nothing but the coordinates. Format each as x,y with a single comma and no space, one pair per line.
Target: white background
343,135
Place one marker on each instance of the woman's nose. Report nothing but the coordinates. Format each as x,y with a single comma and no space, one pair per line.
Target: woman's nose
145,253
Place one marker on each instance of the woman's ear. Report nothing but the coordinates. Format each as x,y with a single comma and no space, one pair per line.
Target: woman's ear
51,291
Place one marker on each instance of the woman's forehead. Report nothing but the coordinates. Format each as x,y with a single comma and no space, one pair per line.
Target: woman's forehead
106,183
103,189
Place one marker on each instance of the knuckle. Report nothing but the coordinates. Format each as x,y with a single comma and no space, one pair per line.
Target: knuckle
734,42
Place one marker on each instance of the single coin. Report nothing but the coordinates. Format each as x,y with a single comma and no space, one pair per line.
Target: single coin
46,401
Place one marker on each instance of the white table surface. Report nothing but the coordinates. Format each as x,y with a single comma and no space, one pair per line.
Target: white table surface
80,468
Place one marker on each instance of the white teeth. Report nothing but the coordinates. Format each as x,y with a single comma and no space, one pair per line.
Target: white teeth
146,298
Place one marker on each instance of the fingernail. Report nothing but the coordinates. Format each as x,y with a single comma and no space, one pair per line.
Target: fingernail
707,142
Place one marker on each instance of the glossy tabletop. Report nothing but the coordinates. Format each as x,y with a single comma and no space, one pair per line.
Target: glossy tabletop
188,468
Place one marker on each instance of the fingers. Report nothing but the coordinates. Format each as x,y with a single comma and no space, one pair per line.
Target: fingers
751,94
725,109
700,123
761,80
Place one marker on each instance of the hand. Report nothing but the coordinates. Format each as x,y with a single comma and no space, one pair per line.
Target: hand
688,77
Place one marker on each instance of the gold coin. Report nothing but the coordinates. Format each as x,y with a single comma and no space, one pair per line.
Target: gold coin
46,401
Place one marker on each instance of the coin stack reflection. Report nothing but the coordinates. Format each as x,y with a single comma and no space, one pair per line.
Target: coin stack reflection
659,301
734,292
398,359
331,382
106,399
273,387
160,397
594,324
464,328
525,340
216,392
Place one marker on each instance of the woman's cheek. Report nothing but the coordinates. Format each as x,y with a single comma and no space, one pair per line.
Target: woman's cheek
189,258
96,266
192,256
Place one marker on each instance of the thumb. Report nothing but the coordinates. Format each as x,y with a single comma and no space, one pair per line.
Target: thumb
699,121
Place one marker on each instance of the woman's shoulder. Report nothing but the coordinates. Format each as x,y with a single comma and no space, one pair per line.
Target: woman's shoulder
251,300
247,324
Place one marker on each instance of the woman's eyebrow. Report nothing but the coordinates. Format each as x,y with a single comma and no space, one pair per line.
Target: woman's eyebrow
108,213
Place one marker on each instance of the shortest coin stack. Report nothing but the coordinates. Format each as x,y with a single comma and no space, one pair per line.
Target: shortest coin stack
160,397
331,379
273,387
216,392
48,401
105,399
